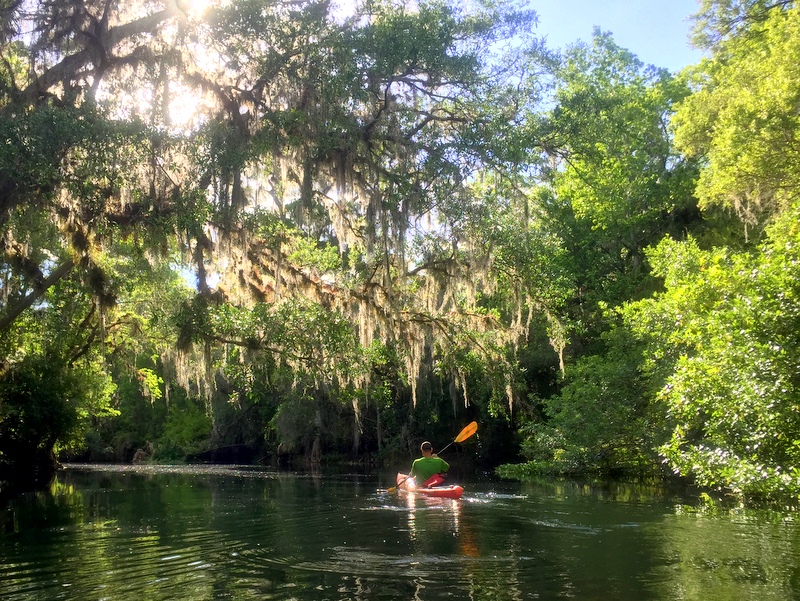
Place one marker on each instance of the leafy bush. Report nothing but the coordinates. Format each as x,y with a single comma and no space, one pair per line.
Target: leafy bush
728,325
187,431
604,420
37,410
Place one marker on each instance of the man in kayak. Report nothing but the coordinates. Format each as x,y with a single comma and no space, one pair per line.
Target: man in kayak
427,468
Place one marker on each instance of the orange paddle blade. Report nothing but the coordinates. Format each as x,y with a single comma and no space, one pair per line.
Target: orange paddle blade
467,432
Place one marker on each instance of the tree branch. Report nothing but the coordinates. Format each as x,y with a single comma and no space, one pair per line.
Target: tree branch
49,281
103,41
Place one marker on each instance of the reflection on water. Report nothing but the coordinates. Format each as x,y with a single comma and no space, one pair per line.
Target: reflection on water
242,533
427,515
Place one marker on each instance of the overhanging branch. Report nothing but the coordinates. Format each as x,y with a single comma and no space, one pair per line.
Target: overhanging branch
37,293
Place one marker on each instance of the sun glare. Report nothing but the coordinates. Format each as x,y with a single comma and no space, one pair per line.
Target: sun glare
196,8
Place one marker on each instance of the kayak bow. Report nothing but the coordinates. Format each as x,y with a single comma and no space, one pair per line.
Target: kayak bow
408,485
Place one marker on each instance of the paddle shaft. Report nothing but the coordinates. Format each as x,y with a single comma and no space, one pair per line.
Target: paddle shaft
445,447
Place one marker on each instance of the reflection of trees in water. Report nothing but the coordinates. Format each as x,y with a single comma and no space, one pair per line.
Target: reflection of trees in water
729,556
200,534
479,575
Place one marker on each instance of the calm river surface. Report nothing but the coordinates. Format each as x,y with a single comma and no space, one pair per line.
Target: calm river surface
193,533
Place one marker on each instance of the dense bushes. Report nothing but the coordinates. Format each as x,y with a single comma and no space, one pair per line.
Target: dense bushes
38,409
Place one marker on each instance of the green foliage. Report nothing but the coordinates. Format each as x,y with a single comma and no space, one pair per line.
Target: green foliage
186,431
621,186
618,184
297,423
304,424
307,334
36,407
604,419
43,405
54,147
140,421
151,383
742,119
401,231
730,323
717,21
622,173
526,252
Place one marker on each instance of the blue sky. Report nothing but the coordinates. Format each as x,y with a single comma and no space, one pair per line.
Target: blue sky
654,30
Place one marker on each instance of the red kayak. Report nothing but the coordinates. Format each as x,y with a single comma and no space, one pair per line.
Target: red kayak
406,484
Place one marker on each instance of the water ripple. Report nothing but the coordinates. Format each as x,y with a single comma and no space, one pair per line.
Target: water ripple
222,533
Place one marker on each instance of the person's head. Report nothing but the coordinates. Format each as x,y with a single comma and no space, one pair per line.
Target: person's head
426,448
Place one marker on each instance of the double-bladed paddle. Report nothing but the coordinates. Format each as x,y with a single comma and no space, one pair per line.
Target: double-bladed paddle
468,431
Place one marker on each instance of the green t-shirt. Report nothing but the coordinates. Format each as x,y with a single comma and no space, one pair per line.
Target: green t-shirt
425,467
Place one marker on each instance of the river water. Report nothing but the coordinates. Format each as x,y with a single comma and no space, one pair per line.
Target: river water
196,533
